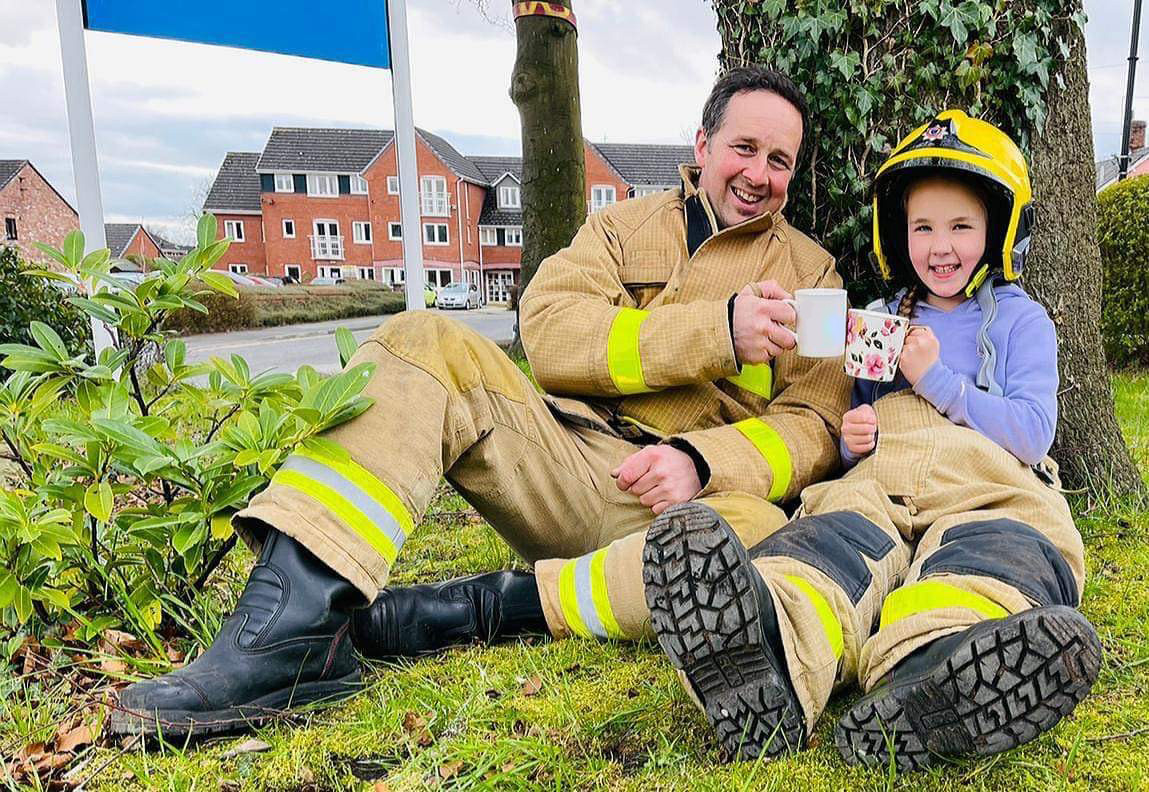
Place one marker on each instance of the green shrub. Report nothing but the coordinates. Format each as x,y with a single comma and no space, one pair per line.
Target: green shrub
1124,238
117,479
224,312
26,297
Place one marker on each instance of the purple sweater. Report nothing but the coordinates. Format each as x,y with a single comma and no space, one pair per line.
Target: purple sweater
1023,419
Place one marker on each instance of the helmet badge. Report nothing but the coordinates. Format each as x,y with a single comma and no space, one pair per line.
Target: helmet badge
936,131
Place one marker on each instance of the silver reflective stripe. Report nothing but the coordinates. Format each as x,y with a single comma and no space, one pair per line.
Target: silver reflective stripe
585,595
370,507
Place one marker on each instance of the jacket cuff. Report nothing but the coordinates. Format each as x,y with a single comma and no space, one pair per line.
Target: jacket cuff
748,456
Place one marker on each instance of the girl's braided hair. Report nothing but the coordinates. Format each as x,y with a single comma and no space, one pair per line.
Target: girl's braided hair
909,301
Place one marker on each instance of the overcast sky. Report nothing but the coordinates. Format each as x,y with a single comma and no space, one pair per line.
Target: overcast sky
167,112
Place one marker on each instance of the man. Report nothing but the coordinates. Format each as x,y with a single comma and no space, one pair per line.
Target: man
658,338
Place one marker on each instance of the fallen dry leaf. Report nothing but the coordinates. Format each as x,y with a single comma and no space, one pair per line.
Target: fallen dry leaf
382,786
532,686
113,665
118,639
416,726
69,741
450,769
247,746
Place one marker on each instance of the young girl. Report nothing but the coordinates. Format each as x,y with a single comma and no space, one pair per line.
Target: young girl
942,571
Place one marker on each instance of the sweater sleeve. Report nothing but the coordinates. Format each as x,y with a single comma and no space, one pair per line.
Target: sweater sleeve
585,335
1023,419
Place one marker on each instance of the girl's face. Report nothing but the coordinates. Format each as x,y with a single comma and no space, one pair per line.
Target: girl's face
946,224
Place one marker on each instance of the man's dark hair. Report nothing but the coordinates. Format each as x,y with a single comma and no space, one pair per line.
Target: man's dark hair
752,78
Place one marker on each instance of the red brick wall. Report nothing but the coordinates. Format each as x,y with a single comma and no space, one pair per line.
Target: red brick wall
305,210
250,251
41,215
143,246
599,173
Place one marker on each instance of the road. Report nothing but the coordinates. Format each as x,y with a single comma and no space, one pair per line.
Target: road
288,347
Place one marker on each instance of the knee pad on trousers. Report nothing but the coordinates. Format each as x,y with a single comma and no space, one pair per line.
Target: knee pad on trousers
1009,551
832,543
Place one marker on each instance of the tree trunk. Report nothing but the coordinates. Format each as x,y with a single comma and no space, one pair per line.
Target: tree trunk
1064,273
544,87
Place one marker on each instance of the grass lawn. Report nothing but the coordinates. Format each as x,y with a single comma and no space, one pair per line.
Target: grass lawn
582,715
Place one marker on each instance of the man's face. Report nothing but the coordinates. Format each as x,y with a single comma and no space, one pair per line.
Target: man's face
748,161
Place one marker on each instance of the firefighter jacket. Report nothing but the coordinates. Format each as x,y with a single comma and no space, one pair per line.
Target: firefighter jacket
629,328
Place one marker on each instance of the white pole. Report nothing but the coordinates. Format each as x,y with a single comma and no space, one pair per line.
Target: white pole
82,133
409,213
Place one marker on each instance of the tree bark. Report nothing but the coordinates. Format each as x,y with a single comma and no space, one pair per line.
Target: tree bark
544,87
1064,274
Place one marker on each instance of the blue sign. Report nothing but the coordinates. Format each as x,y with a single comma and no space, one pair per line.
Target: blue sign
346,31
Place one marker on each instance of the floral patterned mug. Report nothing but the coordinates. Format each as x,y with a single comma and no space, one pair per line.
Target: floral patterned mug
874,343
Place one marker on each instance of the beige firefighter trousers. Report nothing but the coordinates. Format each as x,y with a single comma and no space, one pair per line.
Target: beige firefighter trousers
937,529
450,402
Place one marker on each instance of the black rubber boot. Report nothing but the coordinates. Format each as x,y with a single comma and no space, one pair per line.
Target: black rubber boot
284,645
987,689
715,620
409,621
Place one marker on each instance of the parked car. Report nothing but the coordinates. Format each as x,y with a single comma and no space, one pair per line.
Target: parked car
326,281
458,295
266,282
238,280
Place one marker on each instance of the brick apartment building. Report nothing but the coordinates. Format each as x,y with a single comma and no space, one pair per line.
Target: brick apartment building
325,203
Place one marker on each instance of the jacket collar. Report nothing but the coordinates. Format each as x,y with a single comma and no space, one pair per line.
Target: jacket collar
702,223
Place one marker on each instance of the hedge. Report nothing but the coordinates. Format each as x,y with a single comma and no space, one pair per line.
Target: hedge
1124,237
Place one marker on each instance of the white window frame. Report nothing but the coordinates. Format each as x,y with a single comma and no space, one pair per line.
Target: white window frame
358,184
237,269
357,229
395,275
297,274
284,183
435,276
433,201
233,229
602,196
330,271
322,185
370,273
517,231
286,235
510,197
394,231
639,192
392,185
446,234
488,236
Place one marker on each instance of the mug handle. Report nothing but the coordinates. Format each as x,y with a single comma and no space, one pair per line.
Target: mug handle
793,304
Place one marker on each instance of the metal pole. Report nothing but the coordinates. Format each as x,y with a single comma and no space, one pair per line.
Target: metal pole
82,134
405,146
1123,163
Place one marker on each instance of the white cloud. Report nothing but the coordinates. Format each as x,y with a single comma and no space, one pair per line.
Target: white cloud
167,112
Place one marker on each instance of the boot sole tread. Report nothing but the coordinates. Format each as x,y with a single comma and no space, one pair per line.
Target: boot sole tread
998,690
704,610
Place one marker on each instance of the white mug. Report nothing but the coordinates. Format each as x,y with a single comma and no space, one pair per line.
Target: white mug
821,322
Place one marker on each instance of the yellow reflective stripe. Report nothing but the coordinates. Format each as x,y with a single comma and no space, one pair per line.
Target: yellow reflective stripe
830,624
771,446
622,356
934,594
758,378
362,478
341,508
599,594
568,601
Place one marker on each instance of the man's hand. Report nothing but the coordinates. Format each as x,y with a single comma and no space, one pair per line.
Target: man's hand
759,314
860,429
920,351
660,475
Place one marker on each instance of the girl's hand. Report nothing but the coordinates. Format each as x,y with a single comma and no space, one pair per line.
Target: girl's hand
860,429
920,351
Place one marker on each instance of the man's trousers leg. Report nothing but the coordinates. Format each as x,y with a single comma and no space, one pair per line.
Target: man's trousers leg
600,594
447,402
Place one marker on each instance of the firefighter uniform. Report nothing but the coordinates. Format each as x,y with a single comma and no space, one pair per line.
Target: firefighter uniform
628,332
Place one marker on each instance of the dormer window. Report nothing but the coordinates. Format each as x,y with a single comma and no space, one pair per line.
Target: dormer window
284,182
325,185
509,197
358,185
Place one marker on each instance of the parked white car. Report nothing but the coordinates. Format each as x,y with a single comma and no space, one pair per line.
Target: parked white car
458,295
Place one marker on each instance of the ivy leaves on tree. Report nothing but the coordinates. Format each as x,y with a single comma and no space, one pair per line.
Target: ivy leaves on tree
873,70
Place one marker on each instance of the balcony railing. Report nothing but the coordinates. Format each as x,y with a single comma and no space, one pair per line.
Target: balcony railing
434,204
326,247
